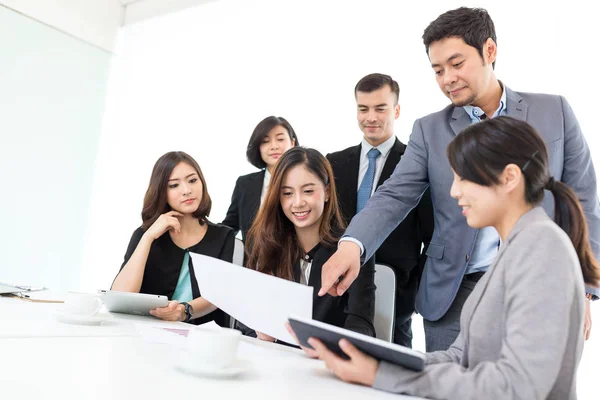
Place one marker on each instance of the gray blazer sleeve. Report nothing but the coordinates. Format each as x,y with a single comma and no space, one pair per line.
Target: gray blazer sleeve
539,289
579,174
453,354
392,202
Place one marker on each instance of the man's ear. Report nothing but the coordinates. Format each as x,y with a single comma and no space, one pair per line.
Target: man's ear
490,51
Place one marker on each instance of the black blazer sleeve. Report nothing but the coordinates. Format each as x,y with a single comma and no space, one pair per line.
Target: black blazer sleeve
133,243
245,330
361,301
232,219
227,250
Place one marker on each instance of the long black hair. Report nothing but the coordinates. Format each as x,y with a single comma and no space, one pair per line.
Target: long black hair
481,152
155,200
262,129
272,242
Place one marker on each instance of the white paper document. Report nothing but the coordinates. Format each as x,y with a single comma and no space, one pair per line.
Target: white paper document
175,335
260,301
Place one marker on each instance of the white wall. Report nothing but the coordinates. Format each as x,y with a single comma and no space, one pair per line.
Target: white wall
52,89
140,10
93,21
200,80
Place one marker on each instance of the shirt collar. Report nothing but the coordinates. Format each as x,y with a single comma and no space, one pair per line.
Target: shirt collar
384,147
475,113
267,178
308,257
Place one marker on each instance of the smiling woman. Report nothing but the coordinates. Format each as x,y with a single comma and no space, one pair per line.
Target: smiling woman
176,207
295,233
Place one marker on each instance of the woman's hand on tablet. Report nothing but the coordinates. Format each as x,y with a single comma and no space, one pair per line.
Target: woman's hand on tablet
166,222
360,368
309,352
174,311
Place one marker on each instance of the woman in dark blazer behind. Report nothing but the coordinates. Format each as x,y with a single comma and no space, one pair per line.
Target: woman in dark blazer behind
297,230
272,137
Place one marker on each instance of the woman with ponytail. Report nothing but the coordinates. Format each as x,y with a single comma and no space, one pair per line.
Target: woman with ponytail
521,326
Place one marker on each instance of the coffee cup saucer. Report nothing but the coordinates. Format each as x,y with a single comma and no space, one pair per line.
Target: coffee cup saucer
236,367
79,319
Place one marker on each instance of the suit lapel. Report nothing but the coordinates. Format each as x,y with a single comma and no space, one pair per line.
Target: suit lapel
515,105
321,257
253,192
479,291
530,217
459,120
352,167
392,160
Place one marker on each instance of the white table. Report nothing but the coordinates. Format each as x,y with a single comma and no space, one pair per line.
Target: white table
45,365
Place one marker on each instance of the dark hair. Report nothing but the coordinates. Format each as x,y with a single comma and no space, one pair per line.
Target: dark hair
481,152
155,200
373,82
273,246
260,132
473,25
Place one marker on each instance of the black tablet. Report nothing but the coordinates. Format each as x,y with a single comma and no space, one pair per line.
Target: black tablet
380,349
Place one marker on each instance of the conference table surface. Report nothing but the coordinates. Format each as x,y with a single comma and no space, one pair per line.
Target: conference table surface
42,358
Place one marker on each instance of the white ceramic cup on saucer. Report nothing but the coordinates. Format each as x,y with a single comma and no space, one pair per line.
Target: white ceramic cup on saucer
210,349
84,304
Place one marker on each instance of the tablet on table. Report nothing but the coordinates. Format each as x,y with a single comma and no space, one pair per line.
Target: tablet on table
131,303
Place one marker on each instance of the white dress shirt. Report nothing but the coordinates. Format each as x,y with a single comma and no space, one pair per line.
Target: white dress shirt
365,147
385,149
305,265
265,185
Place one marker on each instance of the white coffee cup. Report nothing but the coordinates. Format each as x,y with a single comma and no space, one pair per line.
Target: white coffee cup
82,304
210,347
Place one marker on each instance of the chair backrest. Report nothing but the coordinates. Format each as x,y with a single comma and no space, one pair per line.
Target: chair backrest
238,252
385,302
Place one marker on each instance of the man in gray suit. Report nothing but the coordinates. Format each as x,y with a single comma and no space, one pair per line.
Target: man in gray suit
461,45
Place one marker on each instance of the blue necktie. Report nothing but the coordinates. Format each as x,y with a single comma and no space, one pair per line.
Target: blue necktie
364,191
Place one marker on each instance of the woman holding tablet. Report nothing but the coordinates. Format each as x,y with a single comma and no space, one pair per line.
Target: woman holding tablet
174,222
295,233
272,137
521,327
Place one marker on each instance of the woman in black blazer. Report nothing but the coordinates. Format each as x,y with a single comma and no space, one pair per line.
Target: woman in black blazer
272,137
174,222
297,230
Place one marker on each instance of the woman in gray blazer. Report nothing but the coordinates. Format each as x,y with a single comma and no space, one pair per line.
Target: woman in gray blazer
521,327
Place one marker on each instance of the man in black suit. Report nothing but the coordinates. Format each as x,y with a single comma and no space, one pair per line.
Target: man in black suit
361,169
